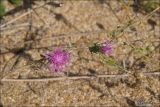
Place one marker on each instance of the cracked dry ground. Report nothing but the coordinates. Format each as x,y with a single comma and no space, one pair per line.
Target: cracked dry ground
78,24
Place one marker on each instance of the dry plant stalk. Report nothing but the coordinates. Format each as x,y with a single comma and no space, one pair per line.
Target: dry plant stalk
76,77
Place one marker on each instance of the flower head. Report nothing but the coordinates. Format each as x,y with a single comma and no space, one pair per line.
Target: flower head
106,48
58,59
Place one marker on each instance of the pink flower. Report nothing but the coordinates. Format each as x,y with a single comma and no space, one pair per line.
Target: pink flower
106,48
58,59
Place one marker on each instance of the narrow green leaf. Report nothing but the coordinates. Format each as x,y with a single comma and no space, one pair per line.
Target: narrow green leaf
2,10
15,2
108,60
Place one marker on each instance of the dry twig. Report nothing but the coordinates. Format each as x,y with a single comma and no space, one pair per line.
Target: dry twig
19,17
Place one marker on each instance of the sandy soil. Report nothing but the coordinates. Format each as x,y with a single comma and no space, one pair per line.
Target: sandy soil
79,24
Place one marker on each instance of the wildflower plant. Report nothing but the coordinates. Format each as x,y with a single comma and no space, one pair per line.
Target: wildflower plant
104,50
58,59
